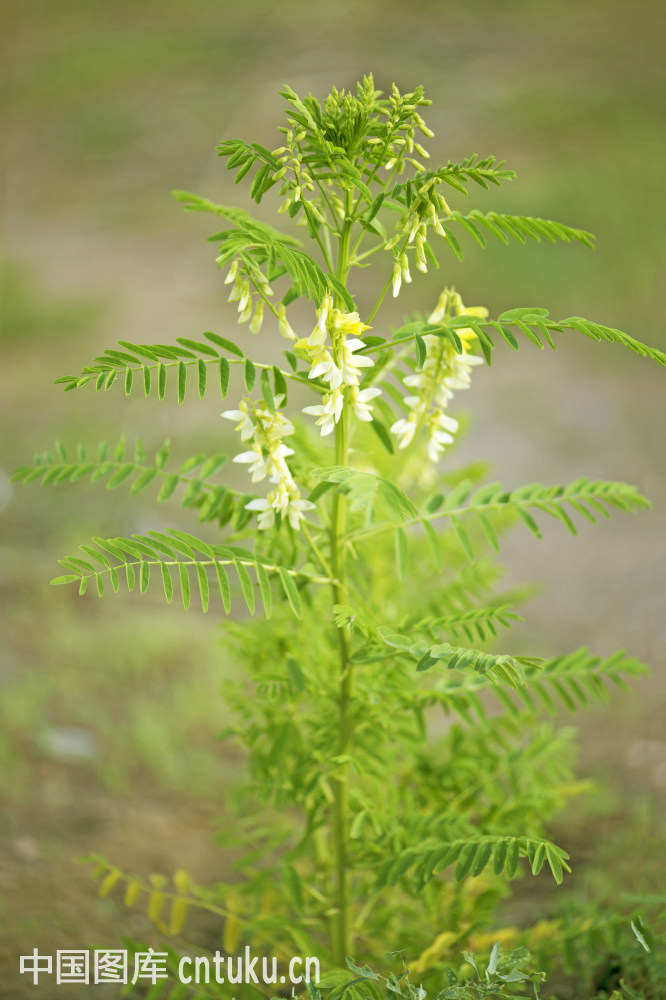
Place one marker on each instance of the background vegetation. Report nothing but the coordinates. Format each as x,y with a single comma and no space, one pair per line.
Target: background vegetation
106,108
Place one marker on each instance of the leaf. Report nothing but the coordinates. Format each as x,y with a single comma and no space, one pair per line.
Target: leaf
433,543
554,863
182,382
67,578
465,860
144,480
167,582
184,584
383,434
223,584
249,374
246,585
264,589
198,346
280,384
395,639
156,902
291,591
369,492
224,377
120,475
225,344
202,580
168,488
108,883
179,908
499,857
512,856
637,928
266,390
338,287
144,577
462,537
201,377
421,351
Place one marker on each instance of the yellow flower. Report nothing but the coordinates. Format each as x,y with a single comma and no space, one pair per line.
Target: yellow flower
465,333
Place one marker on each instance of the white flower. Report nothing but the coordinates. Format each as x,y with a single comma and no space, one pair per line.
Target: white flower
404,429
261,465
351,363
443,372
329,411
284,500
338,364
441,428
266,518
296,515
267,459
328,370
245,424
256,460
276,465
360,399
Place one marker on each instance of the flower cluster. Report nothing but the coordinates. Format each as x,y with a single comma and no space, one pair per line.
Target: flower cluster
250,288
403,117
338,365
413,227
267,460
443,372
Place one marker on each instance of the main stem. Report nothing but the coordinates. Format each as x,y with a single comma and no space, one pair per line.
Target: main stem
342,944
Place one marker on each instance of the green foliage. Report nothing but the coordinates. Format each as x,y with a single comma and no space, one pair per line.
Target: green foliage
473,856
500,976
531,322
609,954
155,367
350,807
518,227
179,554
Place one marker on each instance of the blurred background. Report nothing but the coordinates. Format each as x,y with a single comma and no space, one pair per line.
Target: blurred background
109,710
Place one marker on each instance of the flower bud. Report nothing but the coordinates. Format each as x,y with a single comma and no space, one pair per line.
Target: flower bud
232,272
284,325
258,318
397,279
443,204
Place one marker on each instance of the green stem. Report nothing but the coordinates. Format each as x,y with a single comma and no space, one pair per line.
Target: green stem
315,233
342,943
388,283
381,297
315,549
